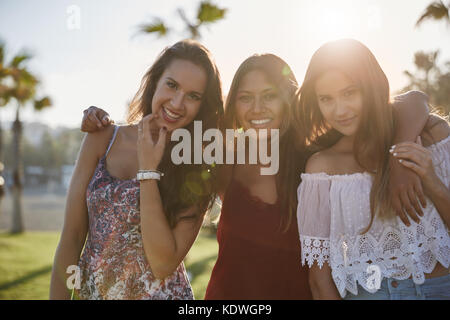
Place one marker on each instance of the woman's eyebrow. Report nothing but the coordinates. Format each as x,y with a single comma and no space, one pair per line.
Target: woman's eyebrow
263,91
352,86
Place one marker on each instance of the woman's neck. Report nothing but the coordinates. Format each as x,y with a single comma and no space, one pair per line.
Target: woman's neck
346,144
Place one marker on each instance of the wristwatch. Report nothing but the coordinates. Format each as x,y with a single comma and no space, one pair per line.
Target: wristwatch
149,174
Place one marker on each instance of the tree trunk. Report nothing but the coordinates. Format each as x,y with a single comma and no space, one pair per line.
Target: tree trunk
17,224
2,180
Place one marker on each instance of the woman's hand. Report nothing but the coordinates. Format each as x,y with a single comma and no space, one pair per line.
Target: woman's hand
150,153
95,119
417,158
405,187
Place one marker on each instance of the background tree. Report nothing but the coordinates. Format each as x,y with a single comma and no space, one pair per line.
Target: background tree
4,99
432,79
23,90
207,13
436,10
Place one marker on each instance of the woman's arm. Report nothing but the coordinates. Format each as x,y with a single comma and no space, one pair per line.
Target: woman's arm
417,158
322,284
75,227
411,114
164,247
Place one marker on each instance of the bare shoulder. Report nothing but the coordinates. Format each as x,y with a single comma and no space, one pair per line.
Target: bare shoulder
322,161
438,128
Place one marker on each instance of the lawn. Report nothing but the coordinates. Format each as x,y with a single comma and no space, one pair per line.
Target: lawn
26,263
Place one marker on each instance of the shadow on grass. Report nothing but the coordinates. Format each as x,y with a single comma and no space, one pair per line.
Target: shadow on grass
200,266
27,277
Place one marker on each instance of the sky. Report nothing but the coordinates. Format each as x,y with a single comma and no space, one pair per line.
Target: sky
90,53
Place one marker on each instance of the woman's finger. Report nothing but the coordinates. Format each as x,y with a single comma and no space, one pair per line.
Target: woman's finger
419,141
407,206
419,159
414,202
420,194
106,120
408,146
162,137
93,117
413,166
397,205
149,132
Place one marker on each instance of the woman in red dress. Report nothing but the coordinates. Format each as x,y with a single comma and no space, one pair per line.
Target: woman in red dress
259,251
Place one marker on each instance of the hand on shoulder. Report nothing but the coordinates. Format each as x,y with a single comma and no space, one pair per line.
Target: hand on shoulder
436,127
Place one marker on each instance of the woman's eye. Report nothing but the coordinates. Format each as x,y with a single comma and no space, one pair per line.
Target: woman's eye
270,96
324,99
195,97
349,93
245,99
171,85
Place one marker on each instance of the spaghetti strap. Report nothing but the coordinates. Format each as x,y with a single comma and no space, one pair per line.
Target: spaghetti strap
116,128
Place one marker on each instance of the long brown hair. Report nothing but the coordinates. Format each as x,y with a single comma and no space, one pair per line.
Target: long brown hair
185,185
376,130
280,75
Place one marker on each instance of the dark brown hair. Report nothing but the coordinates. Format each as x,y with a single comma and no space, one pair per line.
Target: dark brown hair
376,130
185,185
280,75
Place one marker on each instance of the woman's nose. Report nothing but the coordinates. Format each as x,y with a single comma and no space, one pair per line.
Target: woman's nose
177,100
258,105
341,107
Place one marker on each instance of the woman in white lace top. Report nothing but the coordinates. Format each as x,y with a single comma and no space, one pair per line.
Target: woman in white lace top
354,244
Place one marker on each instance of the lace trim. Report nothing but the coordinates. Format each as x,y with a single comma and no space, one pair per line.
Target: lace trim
400,254
315,249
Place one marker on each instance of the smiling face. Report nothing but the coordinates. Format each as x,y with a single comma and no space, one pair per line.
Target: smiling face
340,101
178,95
258,103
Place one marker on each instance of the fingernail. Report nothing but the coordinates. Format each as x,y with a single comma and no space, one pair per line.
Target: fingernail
395,154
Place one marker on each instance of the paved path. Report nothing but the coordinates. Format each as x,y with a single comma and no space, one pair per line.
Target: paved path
42,211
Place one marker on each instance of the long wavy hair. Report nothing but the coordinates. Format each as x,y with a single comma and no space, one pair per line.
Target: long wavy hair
280,75
376,129
185,185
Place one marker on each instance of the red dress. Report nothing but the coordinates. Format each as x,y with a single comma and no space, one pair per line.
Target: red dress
256,260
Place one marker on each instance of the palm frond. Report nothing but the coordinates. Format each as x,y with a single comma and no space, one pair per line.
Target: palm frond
2,55
42,103
19,59
209,12
157,27
436,11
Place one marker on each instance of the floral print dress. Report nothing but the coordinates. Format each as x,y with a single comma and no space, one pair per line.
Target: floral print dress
113,264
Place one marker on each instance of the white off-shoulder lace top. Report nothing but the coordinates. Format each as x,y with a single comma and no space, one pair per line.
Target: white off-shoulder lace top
333,211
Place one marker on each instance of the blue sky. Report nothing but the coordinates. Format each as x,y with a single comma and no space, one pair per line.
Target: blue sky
102,63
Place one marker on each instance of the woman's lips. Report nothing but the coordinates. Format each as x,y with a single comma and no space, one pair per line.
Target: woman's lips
170,116
346,122
260,123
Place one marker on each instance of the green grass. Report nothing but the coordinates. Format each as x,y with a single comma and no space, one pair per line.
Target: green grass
26,263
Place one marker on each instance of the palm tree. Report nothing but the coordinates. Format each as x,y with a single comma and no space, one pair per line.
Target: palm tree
4,99
436,10
207,13
23,90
